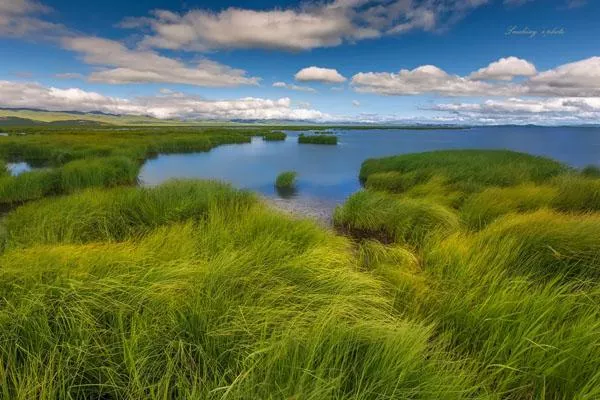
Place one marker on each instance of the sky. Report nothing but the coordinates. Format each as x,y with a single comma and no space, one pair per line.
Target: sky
369,61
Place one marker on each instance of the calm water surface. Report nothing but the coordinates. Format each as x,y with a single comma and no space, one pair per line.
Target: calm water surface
329,174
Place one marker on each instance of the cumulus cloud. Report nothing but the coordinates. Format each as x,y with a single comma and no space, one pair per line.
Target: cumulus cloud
580,78
318,74
123,65
505,69
290,86
19,18
577,79
423,79
310,26
166,105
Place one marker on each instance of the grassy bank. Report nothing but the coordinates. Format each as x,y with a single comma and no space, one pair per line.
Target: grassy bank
450,284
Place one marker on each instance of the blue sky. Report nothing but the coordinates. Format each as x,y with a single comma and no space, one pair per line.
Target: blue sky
441,61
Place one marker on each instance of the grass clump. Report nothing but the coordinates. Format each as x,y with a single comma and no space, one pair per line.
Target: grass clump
73,176
118,214
393,219
274,136
483,208
576,193
286,180
545,243
317,139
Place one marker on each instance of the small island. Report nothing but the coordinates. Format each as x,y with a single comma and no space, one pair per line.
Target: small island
274,136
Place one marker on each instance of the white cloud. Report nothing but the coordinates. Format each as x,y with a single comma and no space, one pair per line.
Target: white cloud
423,79
356,103
167,105
19,18
290,86
577,79
123,65
312,25
505,69
581,79
318,74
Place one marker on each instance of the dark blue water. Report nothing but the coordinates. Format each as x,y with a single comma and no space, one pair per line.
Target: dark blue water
328,174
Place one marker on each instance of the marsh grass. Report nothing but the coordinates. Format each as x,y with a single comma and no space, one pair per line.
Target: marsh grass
274,136
317,139
286,180
457,280
220,298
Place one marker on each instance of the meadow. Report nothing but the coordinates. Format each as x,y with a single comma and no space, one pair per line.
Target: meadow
452,275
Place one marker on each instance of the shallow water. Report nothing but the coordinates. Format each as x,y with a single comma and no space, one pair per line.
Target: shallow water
329,174
18,168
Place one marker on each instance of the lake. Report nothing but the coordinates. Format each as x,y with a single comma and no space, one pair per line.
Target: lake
329,174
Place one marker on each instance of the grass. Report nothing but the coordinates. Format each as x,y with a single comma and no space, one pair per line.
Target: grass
449,285
286,180
220,297
467,170
73,176
274,136
317,139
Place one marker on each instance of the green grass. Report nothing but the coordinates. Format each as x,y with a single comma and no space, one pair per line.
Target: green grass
448,285
393,219
317,139
286,180
219,298
274,136
73,176
466,170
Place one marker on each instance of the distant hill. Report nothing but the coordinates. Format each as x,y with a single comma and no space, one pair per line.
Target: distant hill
41,117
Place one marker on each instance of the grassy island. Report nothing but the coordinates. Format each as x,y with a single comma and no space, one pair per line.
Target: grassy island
454,275
286,180
317,139
274,136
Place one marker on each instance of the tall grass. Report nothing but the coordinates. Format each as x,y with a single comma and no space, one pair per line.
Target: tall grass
393,219
75,175
469,170
223,301
451,285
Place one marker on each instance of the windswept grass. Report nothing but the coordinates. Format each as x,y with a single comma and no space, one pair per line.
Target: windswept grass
219,299
451,285
513,285
274,136
393,219
317,139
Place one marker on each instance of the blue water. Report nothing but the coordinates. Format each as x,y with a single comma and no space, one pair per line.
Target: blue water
328,174
18,168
